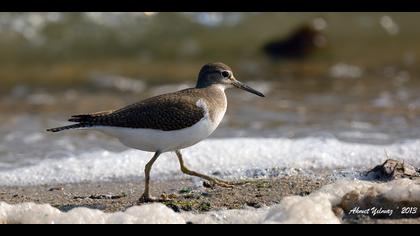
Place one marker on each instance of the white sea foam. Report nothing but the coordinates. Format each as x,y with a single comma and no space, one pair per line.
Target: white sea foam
31,213
314,208
231,157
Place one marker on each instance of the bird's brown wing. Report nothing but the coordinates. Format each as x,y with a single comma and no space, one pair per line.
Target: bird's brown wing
165,112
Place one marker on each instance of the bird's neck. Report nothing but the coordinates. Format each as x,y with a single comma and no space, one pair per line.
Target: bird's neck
213,87
215,98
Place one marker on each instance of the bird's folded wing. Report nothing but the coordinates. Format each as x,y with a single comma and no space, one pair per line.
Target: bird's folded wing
161,113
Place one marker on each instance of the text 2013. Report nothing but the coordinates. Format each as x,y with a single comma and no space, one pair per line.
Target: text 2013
409,210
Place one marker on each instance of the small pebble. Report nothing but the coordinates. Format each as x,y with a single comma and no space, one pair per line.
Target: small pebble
206,194
56,189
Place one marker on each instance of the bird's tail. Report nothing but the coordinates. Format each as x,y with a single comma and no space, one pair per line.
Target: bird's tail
75,126
85,120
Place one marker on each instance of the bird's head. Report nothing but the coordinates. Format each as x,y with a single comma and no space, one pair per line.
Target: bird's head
221,75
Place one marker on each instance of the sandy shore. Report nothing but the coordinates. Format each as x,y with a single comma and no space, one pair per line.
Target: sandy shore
181,195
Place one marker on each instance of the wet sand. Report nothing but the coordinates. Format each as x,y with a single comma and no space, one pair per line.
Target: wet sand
180,195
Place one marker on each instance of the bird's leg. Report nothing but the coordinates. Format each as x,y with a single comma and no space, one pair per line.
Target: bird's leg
213,180
146,197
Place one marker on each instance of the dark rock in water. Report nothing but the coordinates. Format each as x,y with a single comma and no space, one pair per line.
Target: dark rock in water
102,197
298,45
393,169
69,207
254,204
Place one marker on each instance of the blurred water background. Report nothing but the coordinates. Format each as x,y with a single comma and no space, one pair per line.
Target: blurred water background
359,83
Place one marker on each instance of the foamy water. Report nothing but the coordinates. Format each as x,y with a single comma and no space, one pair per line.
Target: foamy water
230,157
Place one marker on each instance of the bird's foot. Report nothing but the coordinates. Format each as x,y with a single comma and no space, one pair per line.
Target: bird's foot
221,183
146,198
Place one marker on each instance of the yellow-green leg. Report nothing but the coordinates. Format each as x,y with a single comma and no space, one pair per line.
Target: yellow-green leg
213,180
146,197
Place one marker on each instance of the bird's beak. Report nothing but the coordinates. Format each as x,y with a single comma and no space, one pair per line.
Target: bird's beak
245,87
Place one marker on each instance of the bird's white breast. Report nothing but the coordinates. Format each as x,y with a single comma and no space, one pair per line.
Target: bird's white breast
153,140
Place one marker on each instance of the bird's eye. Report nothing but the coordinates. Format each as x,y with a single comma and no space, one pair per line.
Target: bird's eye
226,74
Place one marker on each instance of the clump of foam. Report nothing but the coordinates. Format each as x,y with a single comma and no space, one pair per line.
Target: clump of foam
241,216
302,210
31,213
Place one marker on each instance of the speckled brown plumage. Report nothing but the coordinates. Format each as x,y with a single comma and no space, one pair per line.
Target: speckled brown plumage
172,111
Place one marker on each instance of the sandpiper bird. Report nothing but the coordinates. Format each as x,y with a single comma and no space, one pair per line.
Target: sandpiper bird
169,122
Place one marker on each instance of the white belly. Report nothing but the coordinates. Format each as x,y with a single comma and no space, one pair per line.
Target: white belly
152,140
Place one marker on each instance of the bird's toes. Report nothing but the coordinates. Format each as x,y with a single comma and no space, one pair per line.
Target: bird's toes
147,199
215,183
